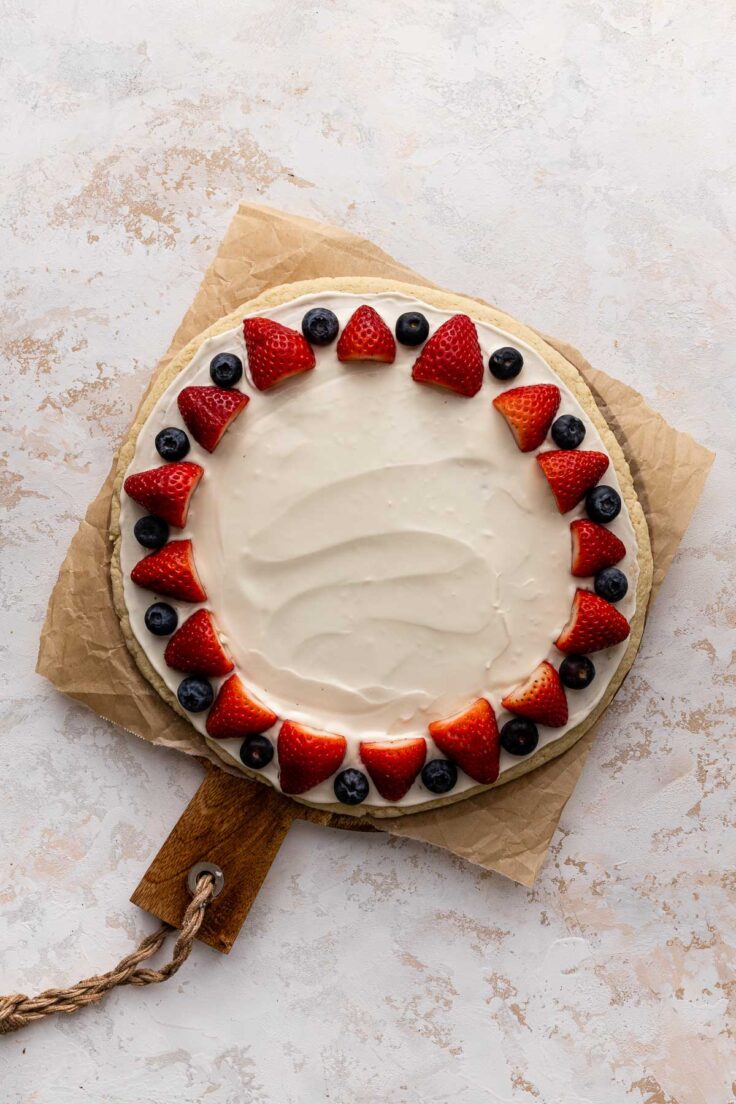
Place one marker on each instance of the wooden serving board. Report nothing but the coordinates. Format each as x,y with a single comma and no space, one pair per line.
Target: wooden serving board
239,825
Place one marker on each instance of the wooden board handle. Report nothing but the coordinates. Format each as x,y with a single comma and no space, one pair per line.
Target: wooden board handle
237,824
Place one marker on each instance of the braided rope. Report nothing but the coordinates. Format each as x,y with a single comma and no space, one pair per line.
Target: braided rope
18,1010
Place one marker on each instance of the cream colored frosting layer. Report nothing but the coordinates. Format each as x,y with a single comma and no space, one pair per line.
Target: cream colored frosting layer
377,553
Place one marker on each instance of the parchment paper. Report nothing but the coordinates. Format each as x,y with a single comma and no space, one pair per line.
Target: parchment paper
82,651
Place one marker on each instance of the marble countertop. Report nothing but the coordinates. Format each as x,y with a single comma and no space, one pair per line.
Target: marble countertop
574,163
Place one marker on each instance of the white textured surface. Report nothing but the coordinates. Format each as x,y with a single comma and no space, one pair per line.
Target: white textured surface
573,162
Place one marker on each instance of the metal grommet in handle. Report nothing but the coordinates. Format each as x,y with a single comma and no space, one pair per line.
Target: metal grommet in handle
205,868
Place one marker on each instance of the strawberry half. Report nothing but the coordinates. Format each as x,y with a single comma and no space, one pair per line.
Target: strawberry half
570,473
195,647
208,411
165,491
593,547
235,714
452,358
275,352
171,572
366,337
471,740
394,764
529,412
307,757
541,698
594,624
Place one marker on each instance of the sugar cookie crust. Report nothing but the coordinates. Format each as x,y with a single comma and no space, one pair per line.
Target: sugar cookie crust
443,300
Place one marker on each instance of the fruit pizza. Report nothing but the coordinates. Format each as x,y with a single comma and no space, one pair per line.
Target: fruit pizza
378,545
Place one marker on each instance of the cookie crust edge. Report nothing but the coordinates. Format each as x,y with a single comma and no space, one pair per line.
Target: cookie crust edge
443,300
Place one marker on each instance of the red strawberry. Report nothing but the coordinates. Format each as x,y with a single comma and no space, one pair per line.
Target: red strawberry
275,352
570,473
594,624
171,572
541,698
208,411
452,358
165,491
236,714
593,547
195,647
529,412
307,757
366,337
394,764
471,740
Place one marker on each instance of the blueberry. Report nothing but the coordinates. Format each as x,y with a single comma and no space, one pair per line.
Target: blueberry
611,584
320,326
161,619
257,752
519,736
172,444
195,694
151,531
568,431
439,775
412,328
505,364
602,503
351,787
226,369
576,672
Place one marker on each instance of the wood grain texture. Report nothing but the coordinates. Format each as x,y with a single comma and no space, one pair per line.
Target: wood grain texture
239,825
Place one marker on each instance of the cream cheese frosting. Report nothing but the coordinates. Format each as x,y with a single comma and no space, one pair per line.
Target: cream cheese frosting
377,554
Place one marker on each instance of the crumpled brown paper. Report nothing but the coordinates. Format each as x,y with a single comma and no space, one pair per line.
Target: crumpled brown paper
82,650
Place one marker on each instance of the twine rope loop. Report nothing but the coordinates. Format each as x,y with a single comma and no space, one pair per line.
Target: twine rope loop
18,1010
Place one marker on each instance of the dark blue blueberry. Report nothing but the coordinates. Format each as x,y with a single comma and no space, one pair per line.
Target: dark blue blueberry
577,672
412,329
351,787
195,694
505,364
611,584
602,504
320,326
151,531
519,736
439,775
257,752
172,444
226,369
161,619
568,431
